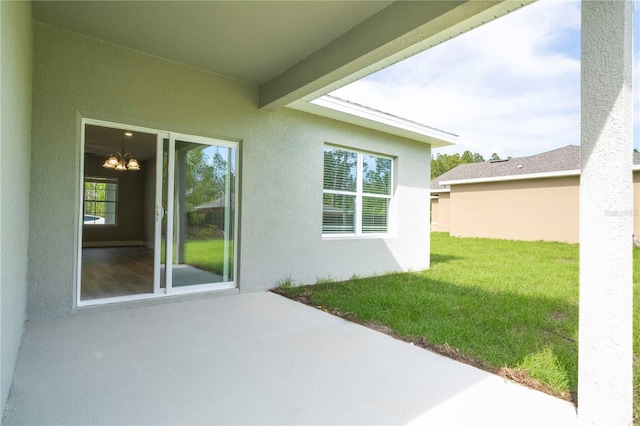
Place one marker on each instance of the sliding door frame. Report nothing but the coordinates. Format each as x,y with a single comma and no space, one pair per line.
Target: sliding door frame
197,288
160,212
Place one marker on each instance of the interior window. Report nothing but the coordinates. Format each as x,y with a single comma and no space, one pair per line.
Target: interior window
100,201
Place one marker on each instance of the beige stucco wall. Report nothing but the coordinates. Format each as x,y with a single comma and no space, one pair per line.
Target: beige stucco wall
535,209
281,167
440,212
15,136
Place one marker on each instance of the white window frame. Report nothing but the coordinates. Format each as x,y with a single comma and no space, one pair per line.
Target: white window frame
359,195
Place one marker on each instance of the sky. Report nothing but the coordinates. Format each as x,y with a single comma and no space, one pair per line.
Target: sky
511,86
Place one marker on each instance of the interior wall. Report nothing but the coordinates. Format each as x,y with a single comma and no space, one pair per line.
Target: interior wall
130,216
282,167
16,54
530,210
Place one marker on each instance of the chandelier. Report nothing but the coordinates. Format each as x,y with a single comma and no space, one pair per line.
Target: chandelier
124,161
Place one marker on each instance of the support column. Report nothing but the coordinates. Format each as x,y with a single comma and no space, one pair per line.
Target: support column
606,215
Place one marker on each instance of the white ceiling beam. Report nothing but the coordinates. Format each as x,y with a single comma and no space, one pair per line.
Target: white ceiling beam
398,31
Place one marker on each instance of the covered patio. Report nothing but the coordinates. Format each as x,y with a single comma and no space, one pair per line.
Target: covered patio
254,358
253,76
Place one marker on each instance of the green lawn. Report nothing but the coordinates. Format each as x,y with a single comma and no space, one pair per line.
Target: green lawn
208,255
507,304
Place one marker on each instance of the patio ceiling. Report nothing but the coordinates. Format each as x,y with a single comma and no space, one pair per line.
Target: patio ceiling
290,50
252,42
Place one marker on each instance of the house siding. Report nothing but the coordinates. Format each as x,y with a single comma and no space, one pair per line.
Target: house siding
15,100
281,166
536,209
530,210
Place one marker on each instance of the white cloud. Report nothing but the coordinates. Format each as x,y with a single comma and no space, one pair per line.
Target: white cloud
511,86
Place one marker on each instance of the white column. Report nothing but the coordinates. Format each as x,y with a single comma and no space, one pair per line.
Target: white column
606,216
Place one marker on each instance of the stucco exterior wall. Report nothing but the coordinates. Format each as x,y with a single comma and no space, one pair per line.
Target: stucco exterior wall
15,136
281,167
530,210
538,209
440,212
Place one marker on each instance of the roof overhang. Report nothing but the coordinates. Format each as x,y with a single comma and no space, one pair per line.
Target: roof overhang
398,31
293,52
349,112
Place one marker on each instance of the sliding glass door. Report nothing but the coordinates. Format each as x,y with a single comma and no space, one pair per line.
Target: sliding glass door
165,227
198,245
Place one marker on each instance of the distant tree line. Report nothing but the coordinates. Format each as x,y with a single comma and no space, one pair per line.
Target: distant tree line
442,163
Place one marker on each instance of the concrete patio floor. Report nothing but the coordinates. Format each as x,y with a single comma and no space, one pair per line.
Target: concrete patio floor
254,358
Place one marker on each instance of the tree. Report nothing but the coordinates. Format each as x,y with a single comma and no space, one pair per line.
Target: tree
206,175
377,177
495,157
442,163
342,166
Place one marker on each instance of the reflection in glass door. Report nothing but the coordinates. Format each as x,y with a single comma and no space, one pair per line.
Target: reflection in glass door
201,221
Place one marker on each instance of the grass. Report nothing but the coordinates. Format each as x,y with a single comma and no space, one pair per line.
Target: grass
510,304
206,254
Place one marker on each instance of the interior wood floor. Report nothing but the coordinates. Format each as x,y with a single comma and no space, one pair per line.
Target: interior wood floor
116,271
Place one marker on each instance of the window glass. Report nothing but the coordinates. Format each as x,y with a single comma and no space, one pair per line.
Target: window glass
340,169
338,214
356,192
375,213
376,175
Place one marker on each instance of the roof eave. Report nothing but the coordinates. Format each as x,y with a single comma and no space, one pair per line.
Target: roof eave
398,31
441,190
338,109
545,175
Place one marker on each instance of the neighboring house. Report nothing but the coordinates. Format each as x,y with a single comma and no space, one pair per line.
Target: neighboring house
528,198
215,213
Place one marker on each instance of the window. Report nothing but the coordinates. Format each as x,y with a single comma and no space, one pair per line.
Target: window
356,192
100,198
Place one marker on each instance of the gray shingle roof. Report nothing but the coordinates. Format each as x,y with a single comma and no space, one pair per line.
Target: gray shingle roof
557,160
216,204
